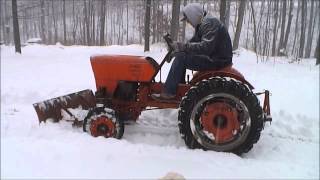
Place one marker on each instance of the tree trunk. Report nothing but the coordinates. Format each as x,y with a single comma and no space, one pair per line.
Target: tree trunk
112,25
296,28
316,23
161,22
266,44
93,23
54,22
127,22
223,5
154,20
302,34
3,23
86,22
288,27
16,34
64,23
75,23
102,22
147,26
140,26
283,23
175,19
49,26
239,24
254,27
275,29
248,28
227,14
119,12
25,25
183,34
317,52
259,29
106,19
309,37
42,22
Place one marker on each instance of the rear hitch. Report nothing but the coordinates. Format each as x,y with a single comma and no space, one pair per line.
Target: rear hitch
266,106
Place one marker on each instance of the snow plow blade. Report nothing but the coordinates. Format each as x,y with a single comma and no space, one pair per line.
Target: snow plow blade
51,109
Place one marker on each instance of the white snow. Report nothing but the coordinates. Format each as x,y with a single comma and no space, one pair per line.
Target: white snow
152,147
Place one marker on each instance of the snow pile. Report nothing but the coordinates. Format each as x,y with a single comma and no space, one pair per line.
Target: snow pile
34,40
152,147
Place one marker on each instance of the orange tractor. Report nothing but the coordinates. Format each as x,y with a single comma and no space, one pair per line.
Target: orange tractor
217,109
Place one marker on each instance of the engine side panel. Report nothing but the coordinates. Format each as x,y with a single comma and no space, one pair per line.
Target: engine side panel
110,69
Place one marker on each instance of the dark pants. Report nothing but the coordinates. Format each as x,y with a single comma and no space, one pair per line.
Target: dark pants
185,61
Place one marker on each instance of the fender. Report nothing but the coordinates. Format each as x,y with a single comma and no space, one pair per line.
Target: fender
228,71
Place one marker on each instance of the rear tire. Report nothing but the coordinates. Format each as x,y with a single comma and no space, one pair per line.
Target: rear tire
249,115
104,112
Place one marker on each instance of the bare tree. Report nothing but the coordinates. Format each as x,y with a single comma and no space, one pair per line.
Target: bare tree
239,24
86,23
296,28
16,33
269,26
302,36
317,51
42,21
175,19
309,37
227,19
102,22
223,6
183,33
127,21
154,20
147,26
288,26
266,44
64,22
2,23
92,23
55,24
254,27
283,23
275,29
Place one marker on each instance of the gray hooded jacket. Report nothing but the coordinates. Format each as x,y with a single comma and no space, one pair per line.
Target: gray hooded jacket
211,38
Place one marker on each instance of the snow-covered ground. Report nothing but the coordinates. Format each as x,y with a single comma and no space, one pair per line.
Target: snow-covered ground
152,147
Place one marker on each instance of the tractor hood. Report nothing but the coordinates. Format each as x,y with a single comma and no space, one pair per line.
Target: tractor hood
110,69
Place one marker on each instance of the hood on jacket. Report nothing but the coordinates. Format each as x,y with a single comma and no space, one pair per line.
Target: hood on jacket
194,13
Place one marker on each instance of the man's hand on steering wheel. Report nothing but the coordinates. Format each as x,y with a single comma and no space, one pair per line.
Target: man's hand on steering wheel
173,47
177,47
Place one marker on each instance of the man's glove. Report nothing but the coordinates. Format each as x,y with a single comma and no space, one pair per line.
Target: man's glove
178,46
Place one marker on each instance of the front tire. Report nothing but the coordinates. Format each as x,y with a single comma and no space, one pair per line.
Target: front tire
220,114
102,121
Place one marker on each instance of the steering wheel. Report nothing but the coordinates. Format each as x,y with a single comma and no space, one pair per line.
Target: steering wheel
168,56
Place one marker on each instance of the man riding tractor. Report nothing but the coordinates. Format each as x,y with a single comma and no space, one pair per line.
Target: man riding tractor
217,108
210,48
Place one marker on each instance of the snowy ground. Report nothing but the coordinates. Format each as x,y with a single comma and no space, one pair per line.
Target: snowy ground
152,147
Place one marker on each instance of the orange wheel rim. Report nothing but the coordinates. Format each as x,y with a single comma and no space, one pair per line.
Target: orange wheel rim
220,120
102,126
